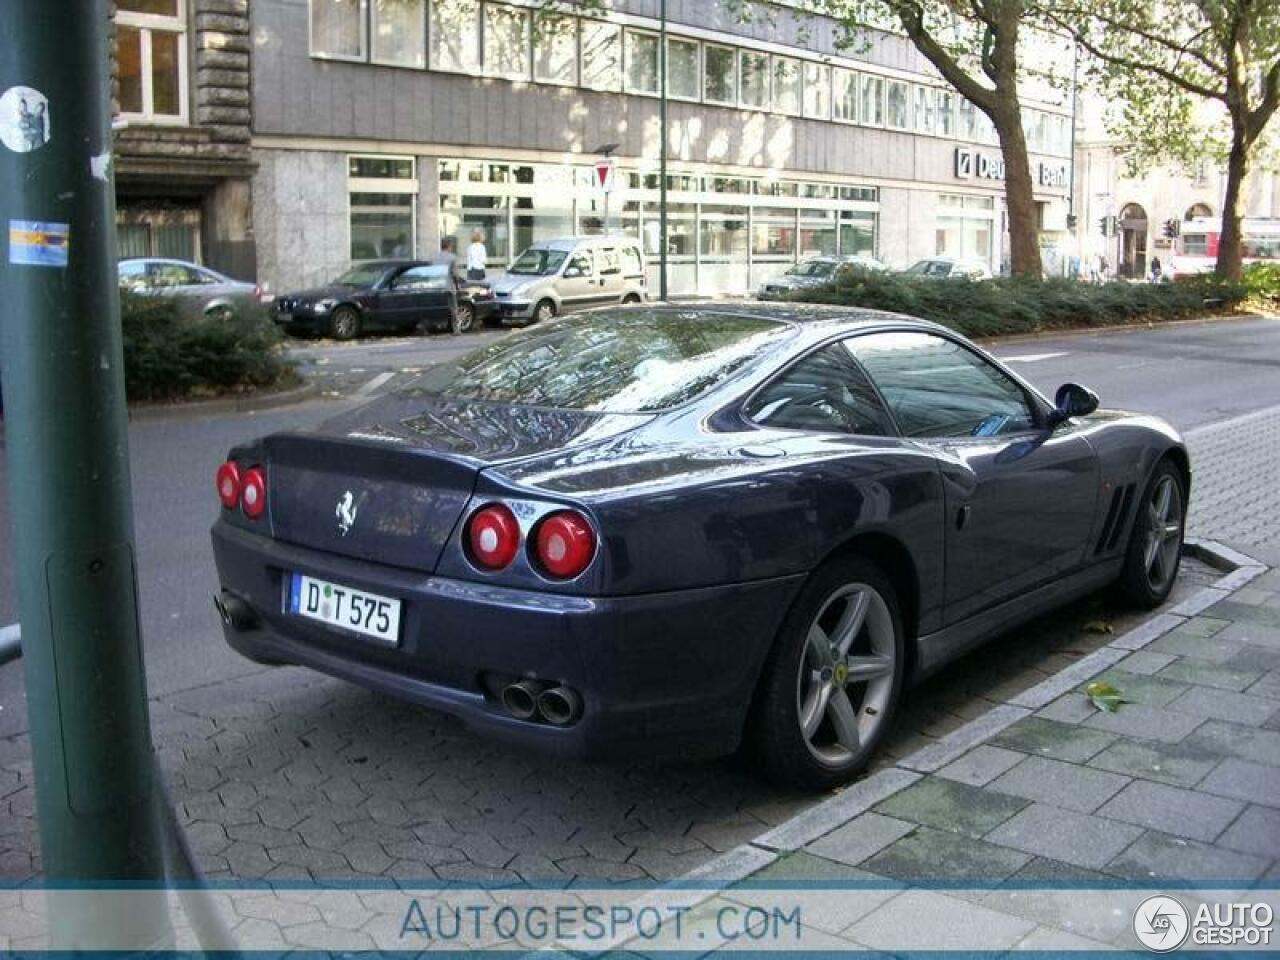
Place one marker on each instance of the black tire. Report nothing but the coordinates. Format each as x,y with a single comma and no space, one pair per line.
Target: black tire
630,299
464,318
344,323
493,321
220,313
776,734
1154,553
544,311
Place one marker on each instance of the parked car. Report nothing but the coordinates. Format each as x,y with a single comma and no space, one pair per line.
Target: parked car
945,267
387,295
199,289
651,529
812,272
559,276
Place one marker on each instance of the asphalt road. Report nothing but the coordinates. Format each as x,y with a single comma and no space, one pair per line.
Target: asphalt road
1194,374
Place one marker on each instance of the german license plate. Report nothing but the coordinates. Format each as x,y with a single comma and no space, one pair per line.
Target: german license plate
347,608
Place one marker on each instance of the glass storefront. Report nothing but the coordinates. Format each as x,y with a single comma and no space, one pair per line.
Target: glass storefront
724,233
382,195
965,227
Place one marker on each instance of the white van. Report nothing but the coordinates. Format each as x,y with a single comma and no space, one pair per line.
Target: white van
571,273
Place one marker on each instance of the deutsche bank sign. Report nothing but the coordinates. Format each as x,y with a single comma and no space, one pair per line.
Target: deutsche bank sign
971,164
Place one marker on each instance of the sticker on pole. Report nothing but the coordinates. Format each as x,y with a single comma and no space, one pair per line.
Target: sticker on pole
36,243
24,119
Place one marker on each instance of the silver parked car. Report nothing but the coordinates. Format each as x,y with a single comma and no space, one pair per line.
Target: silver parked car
813,272
199,289
572,273
945,267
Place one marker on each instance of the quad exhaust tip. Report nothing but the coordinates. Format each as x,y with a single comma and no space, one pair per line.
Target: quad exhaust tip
535,700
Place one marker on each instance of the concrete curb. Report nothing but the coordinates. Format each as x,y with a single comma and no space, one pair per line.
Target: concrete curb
834,812
241,403
1118,328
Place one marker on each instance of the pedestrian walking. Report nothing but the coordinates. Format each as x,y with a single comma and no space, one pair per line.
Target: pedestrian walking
1157,271
477,256
448,255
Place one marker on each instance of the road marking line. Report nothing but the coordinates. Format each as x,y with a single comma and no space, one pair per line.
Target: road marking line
375,383
1033,357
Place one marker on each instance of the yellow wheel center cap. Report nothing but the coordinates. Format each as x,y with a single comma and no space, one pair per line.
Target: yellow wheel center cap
840,676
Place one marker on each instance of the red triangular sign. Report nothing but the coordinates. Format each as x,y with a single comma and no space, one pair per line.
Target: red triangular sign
604,169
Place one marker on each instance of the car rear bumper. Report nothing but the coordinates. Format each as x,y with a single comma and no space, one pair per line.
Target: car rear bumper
658,674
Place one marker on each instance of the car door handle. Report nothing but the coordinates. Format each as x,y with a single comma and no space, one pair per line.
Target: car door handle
962,517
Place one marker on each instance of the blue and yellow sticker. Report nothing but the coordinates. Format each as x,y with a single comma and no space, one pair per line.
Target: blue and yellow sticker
38,244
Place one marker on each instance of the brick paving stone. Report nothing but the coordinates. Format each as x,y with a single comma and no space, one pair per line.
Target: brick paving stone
1257,625
1158,856
931,856
1146,722
1048,738
1066,784
1176,764
1080,839
1072,708
1156,691
1173,810
1244,781
1209,675
1146,662
951,806
1256,832
860,838
1242,708
980,765
924,920
1232,739
831,895
1268,686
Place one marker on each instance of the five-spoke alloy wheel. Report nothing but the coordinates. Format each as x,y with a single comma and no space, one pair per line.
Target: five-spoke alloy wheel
1155,546
833,677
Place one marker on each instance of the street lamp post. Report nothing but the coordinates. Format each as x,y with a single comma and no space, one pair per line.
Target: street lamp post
662,152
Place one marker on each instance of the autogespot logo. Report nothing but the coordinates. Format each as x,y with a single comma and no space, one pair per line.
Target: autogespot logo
1161,924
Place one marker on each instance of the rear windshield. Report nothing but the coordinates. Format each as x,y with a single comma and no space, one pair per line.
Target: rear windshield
813,268
633,362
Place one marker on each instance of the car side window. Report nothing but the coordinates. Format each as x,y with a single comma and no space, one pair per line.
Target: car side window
937,388
610,264
825,392
432,277
168,275
631,262
579,265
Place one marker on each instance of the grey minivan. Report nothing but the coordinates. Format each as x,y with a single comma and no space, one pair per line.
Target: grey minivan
571,273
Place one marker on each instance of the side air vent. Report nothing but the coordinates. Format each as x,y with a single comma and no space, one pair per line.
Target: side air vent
1117,515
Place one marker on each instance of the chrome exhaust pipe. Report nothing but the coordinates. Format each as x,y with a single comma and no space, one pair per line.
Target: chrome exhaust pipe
521,698
560,706
234,611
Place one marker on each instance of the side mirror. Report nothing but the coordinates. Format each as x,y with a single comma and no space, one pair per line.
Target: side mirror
1073,400
571,272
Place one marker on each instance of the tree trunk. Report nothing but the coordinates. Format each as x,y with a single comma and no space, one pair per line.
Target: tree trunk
1230,242
1024,228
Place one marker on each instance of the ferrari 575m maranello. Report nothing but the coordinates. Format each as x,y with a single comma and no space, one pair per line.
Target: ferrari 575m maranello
690,528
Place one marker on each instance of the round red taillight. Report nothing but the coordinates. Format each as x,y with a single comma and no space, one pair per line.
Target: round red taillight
493,536
253,492
228,484
564,544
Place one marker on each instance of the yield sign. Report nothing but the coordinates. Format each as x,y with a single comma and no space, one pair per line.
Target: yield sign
605,175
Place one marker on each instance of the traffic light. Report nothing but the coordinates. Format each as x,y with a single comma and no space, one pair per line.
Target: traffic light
1102,225
1072,220
1108,226
1172,228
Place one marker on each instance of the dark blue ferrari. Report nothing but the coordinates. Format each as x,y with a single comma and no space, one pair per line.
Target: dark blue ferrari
665,529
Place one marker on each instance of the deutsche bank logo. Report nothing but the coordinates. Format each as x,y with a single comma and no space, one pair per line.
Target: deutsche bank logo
964,163
1161,924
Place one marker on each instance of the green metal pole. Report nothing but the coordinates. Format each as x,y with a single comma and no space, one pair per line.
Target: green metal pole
662,153
68,470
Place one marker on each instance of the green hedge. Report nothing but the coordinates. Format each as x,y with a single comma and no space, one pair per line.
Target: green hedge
1261,282
170,354
981,308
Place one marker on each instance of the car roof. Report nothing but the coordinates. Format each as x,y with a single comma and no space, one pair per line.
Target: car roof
594,239
815,317
386,263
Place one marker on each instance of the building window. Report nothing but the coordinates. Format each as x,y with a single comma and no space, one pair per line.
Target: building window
968,120
400,32
506,41
786,85
817,91
946,122
872,112
898,104
382,193
601,55
844,95
965,227
682,69
754,70
857,233
925,110
642,62
555,48
151,59
455,35
720,83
